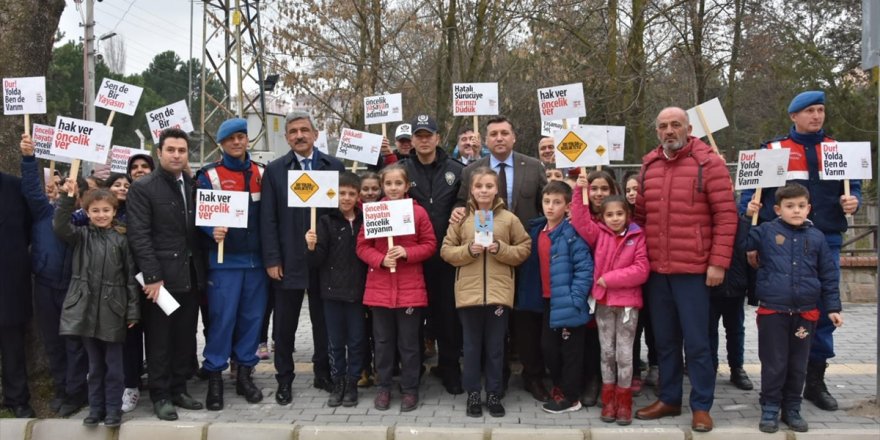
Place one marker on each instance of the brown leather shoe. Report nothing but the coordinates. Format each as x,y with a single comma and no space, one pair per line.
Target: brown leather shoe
702,421
537,390
659,410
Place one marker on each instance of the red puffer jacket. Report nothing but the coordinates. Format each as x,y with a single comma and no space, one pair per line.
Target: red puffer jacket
685,205
406,287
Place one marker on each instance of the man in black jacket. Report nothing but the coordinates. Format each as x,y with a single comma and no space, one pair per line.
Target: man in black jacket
283,231
435,181
163,237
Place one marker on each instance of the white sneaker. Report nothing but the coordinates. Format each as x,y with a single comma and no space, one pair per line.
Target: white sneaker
130,399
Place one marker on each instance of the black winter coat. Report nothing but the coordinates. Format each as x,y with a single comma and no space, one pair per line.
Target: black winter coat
103,296
342,274
739,278
162,234
15,267
435,187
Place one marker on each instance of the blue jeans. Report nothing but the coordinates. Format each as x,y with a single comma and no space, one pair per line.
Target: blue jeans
345,330
680,304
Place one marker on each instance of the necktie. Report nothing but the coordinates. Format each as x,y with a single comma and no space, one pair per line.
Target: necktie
307,164
182,192
502,183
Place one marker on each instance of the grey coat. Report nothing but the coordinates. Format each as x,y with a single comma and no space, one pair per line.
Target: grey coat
103,296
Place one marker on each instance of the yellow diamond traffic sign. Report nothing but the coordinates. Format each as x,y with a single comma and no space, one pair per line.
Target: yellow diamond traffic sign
600,150
304,187
572,146
331,193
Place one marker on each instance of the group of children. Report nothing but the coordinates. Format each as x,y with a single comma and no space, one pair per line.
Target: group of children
580,261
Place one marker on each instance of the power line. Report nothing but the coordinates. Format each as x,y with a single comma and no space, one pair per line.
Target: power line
123,15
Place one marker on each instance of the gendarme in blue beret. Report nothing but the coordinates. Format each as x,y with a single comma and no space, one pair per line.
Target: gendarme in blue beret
230,127
805,100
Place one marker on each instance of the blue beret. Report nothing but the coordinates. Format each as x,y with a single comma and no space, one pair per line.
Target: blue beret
805,100
230,127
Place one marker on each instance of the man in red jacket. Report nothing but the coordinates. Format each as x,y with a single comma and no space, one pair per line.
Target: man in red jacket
687,209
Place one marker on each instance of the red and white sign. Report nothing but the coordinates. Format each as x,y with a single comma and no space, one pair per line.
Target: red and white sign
359,146
562,102
762,168
119,158
42,136
118,96
846,161
389,218
79,139
222,208
24,96
383,108
474,99
171,116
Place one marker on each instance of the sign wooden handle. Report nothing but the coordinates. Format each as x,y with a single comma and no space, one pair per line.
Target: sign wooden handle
74,170
758,198
220,252
391,245
476,125
565,124
846,193
706,128
384,130
27,124
586,191
51,169
110,118
314,219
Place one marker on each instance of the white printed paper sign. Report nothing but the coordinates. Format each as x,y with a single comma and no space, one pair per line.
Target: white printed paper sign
548,127
313,189
616,141
42,136
24,96
389,218
118,96
222,208
846,161
321,142
581,146
119,158
79,139
383,108
762,168
562,102
715,118
473,99
171,116
359,146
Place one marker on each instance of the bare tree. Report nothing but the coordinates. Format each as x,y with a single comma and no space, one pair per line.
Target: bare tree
114,54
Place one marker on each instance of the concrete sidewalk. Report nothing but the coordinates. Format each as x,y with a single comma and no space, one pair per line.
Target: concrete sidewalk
851,379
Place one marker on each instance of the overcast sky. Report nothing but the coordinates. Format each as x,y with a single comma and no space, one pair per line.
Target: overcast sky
148,27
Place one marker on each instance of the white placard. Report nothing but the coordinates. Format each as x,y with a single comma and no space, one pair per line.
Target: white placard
715,118
222,208
474,99
79,139
173,115
581,146
118,96
383,108
312,189
165,301
359,146
562,102
547,127
24,96
119,157
389,218
616,141
321,142
846,161
42,136
761,168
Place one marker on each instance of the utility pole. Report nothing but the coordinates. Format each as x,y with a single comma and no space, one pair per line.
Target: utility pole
89,62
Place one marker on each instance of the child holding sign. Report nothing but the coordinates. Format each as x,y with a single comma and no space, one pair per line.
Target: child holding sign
332,251
797,271
621,259
396,298
102,299
484,287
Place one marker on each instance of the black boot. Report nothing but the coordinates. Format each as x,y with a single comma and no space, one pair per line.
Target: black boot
815,390
244,385
350,397
214,399
336,392
591,391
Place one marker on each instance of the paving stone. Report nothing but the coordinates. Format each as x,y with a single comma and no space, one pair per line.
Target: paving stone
155,429
70,429
14,429
317,432
432,433
250,431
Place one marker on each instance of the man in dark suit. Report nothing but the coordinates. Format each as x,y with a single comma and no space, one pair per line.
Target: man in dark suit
520,181
283,230
15,295
162,235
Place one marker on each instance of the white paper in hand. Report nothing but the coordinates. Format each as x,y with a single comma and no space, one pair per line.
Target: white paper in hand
165,301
